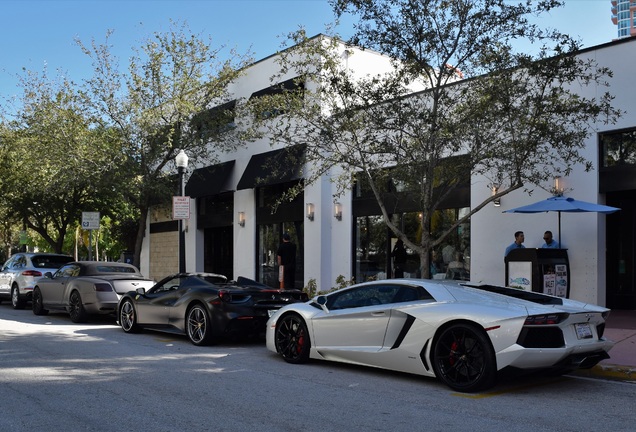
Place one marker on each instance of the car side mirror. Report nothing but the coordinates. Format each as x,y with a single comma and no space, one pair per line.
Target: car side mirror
48,275
322,302
141,291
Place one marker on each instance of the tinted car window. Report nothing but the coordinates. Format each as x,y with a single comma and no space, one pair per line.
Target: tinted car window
363,296
68,271
114,269
168,285
44,261
19,262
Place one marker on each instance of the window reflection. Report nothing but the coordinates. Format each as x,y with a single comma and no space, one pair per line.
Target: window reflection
374,244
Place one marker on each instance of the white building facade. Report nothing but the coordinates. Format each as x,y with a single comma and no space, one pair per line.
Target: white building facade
233,231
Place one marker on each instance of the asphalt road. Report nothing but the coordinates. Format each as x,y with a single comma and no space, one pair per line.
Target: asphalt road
56,375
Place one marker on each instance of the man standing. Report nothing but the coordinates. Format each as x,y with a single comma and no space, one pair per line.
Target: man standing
287,259
518,243
550,243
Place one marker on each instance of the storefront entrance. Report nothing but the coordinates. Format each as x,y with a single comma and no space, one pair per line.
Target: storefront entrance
621,251
218,251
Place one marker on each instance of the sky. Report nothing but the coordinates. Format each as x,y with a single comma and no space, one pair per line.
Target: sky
35,33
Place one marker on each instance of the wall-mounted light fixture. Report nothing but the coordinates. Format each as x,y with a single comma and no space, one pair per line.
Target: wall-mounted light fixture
337,210
558,187
494,188
310,211
241,218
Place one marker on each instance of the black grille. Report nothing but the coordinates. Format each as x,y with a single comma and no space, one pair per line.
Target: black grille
600,329
541,337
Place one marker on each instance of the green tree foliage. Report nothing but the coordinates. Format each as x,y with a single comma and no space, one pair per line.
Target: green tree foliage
164,102
57,158
482,108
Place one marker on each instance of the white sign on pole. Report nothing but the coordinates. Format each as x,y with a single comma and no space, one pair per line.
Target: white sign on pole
180,207
90,220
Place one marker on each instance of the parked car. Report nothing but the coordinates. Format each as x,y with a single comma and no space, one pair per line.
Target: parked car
85,288
461,334
19,274
204,306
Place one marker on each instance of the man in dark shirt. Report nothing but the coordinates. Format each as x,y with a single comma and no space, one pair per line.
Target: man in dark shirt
287,258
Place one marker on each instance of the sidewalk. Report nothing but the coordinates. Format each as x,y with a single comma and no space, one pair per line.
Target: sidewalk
620,328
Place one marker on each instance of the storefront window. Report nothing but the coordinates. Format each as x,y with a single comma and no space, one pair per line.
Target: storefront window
618,148
374,244
371,249
270,237
274,221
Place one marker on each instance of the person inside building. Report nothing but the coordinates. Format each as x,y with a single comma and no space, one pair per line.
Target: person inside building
399,259
287,259
550,243
518,243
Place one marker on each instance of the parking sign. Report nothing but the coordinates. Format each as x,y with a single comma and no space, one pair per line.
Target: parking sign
90,220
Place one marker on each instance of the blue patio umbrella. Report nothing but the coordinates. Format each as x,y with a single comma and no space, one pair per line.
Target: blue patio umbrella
563,204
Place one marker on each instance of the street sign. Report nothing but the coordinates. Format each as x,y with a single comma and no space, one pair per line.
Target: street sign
180,207
90,220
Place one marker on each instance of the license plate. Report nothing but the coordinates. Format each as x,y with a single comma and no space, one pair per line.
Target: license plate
583,331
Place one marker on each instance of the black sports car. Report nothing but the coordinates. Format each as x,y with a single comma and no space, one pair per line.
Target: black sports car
204,306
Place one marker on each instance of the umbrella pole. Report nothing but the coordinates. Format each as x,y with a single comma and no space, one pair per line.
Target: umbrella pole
560,245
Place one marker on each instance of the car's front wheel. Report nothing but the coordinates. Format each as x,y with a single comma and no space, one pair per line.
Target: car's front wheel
37,303
76,308
463,358
198,325
292,339
16,300
128,317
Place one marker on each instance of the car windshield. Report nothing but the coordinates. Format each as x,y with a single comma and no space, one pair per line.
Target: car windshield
52,262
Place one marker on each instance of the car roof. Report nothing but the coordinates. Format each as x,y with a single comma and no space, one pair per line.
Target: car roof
32,254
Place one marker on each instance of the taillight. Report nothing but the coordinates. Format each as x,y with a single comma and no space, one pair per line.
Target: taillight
225,295
103,287
546,319
31,273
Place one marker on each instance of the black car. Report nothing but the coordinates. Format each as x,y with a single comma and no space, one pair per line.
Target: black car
204,306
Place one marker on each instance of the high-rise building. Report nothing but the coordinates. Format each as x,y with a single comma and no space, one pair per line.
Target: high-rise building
624,16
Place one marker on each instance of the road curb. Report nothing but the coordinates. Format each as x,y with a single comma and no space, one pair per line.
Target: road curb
609,371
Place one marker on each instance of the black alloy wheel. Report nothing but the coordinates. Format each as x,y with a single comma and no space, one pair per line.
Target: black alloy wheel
198,325
37,303
128,317
76,308
292,339
463,358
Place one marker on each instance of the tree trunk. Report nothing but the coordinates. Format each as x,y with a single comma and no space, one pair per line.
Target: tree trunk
141,232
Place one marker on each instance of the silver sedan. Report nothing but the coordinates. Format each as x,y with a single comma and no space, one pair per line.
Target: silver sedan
86,288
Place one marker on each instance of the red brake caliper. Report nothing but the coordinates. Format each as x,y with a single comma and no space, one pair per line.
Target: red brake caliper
300,342
452,357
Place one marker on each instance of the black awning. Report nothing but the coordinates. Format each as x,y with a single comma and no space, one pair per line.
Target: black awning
289,85
211,180
274,167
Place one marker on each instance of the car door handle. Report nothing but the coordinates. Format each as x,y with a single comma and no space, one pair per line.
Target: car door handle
381,313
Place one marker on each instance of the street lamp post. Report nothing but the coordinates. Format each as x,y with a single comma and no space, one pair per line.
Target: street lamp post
182,165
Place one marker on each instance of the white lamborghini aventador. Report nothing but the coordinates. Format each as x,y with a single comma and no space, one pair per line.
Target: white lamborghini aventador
462,334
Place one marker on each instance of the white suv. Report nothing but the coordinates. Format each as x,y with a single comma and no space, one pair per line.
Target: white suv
19,273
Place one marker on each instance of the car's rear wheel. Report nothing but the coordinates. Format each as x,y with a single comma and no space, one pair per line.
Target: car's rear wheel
463,358
37,303
16,301
198,325
76,308
292,339
128,317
